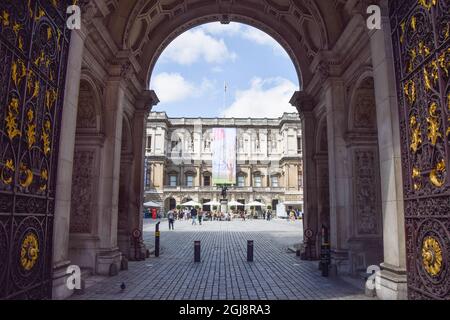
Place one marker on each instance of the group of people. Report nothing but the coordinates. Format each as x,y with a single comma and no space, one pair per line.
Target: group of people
195,215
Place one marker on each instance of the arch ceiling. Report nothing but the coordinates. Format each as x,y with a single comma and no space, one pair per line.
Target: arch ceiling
302,27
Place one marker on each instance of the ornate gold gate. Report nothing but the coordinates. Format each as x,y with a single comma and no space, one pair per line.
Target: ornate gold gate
33,58
421,34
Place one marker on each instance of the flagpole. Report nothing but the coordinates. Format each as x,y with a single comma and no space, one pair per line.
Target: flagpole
224,95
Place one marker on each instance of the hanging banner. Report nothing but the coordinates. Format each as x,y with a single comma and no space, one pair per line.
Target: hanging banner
224,156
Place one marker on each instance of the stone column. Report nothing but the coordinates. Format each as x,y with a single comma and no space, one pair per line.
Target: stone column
135,190
339,174
393,275
65,165
109,256
304,105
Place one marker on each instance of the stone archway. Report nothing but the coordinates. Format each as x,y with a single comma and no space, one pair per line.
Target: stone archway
326,49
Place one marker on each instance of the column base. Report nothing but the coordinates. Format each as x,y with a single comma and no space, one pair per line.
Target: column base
108,262
392,283
59,287
130,251
340,263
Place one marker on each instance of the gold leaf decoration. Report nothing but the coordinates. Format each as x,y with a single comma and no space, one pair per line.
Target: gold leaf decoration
416,139
50,98
428,4
26,178
11,119
40,59
39,15
5,18
417,175
9,166
46,137
31,129
18,72
432,256
433,125
437,173
410,91
402,36
44,178
413,23
29,252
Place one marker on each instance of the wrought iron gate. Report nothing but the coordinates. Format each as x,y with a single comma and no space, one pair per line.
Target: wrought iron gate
421,34
33,59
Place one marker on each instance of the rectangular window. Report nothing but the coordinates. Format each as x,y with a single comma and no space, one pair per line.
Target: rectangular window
241,181
207,181
189,181
149,143
258,181
148,178
274,181
173,180
299,145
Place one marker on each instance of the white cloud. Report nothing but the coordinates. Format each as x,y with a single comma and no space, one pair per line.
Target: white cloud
266,98
263,39
173,87
194,45
217,69
216,28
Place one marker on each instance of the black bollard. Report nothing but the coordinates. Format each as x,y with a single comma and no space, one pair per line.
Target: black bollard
196,251
250,250
325,259
157,236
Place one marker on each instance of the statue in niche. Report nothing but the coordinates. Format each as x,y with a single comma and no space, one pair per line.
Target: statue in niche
257,142
241,143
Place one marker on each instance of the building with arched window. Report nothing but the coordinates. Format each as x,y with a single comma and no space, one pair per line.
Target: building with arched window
179,159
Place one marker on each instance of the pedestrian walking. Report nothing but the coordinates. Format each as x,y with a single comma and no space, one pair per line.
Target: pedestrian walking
200,217
194,216
171,217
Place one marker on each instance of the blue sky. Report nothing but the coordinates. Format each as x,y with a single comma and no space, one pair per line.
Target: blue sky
190,76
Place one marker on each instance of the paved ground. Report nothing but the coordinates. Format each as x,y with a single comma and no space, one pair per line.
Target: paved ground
224,272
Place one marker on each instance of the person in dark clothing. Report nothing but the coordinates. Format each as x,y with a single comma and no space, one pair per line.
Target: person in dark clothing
194,216
171,217
200,217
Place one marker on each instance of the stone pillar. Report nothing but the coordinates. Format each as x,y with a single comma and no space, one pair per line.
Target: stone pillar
65,165
109,256
393,275
339,174
304,105
135,193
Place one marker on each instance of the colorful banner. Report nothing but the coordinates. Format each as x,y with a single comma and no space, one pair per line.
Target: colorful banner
224,156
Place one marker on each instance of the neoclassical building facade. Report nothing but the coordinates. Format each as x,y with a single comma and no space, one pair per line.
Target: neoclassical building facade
374,106
179,155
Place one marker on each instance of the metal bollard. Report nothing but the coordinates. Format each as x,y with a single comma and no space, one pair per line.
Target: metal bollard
325,253
250,250
196,251
157,236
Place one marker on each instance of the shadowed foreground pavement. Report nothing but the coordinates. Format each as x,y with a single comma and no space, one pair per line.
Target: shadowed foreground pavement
223,272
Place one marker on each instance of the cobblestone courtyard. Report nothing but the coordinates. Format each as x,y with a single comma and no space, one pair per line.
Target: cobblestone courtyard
223,272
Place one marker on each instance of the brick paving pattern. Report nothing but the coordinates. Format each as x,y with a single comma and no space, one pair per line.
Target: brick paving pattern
223,272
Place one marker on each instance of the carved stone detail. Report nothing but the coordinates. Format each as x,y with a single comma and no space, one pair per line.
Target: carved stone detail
366,209
86,115
82,191
365,112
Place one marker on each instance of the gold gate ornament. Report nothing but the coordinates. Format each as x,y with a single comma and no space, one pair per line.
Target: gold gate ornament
432,256
29,252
